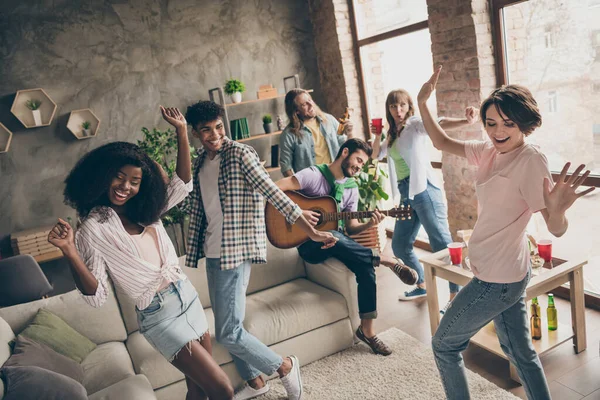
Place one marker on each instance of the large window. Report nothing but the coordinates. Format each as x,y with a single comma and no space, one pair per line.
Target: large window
394,50
552,48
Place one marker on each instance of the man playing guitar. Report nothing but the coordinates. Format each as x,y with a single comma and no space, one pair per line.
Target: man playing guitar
336,179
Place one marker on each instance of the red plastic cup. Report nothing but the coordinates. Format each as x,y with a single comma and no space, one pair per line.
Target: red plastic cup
378,124
455,250
545,249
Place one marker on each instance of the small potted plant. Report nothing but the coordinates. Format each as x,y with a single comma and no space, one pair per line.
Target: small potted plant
268,123
86,128
234,88
34,106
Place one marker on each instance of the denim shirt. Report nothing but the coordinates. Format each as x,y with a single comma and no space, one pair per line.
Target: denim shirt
298,154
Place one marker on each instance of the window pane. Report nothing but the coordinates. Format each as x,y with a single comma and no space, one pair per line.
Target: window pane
385,68
379,16
553,48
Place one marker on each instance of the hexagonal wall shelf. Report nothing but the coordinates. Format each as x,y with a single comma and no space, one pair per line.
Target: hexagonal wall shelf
25,115
76,120
5,138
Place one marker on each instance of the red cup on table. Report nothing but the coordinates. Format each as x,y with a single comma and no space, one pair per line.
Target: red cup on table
378,124
545,249
455,250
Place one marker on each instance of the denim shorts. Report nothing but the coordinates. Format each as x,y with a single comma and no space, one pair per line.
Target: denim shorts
173,319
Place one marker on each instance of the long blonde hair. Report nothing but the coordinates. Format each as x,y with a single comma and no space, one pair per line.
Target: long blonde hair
292,112
394,97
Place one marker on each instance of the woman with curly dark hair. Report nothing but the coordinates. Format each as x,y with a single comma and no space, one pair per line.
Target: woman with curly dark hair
120,193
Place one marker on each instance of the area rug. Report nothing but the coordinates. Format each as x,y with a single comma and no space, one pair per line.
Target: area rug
356,373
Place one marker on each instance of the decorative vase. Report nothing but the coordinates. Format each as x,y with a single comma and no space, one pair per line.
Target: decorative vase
280,125
236,97
268,127
86,132
37,117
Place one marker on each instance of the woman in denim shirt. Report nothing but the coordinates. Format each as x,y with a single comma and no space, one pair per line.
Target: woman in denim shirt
311,136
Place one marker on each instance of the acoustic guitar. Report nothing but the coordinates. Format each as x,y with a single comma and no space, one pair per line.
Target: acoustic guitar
284,235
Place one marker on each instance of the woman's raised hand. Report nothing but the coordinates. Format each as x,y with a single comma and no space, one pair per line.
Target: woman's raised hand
61,236
429,86
472,115
564,193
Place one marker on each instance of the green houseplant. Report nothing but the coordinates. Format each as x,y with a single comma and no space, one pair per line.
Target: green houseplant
86,128
161,146
267,123
34,106
370,190
234,88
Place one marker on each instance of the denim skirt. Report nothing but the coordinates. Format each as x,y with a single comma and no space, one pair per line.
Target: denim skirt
173,319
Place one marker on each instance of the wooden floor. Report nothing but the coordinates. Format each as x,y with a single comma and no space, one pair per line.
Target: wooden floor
570,376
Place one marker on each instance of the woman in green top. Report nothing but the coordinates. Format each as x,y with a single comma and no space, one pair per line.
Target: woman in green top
407,145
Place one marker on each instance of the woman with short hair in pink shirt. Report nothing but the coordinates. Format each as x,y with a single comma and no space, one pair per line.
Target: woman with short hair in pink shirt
512,182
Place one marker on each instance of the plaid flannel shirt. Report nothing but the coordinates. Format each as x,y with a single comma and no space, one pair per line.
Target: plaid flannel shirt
243,182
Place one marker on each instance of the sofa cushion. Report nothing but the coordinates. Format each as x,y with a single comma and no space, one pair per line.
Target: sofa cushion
284,265
52,331
100,325
33,383
108,364
30,353
6,336
148,361
133,388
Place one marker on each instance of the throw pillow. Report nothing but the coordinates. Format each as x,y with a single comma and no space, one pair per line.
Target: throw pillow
55,333
29,353
34,383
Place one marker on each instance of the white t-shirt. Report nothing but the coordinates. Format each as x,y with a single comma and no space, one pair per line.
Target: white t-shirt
208,176
413,146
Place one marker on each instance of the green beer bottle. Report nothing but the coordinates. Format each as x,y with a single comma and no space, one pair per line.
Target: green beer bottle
535,320
552,316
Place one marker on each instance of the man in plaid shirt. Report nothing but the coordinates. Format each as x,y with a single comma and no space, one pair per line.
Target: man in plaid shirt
227,227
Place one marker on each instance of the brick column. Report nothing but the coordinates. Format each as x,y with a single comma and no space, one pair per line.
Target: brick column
462,42
336,59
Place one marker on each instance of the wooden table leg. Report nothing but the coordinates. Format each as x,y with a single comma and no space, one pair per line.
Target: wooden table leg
432,298
578,309
514,375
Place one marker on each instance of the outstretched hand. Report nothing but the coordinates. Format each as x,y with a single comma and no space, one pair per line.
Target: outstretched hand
429,86
174,117
564,193
472,115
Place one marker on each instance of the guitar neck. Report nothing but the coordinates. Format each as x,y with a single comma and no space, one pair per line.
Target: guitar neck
334,216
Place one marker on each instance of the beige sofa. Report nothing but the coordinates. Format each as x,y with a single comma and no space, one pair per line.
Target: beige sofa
294,307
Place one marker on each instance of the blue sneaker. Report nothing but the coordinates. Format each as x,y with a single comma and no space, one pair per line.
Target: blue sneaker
413,294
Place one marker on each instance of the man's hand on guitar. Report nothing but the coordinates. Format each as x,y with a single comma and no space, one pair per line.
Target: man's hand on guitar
311,216
326,238
376,218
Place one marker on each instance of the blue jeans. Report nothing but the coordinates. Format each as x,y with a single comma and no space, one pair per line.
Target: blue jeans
227,290
359,259
428,209
475,306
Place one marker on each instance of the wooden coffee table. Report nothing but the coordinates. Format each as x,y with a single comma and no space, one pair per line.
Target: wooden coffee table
436,265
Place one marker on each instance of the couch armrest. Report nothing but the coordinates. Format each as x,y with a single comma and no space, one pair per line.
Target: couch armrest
334,275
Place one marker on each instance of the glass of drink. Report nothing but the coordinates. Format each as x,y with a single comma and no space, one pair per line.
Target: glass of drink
455,250
545,249
378,124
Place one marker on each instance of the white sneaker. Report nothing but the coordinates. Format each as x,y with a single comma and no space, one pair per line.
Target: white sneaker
248,392
292,382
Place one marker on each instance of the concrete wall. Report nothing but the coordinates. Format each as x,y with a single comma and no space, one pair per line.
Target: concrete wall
122,59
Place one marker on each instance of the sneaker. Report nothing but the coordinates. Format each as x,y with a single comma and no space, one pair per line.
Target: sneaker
407,275
446,307
248,392
292,382
413,294
374,343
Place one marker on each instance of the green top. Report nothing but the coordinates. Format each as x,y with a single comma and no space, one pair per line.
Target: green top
402,170
534,300
550,299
